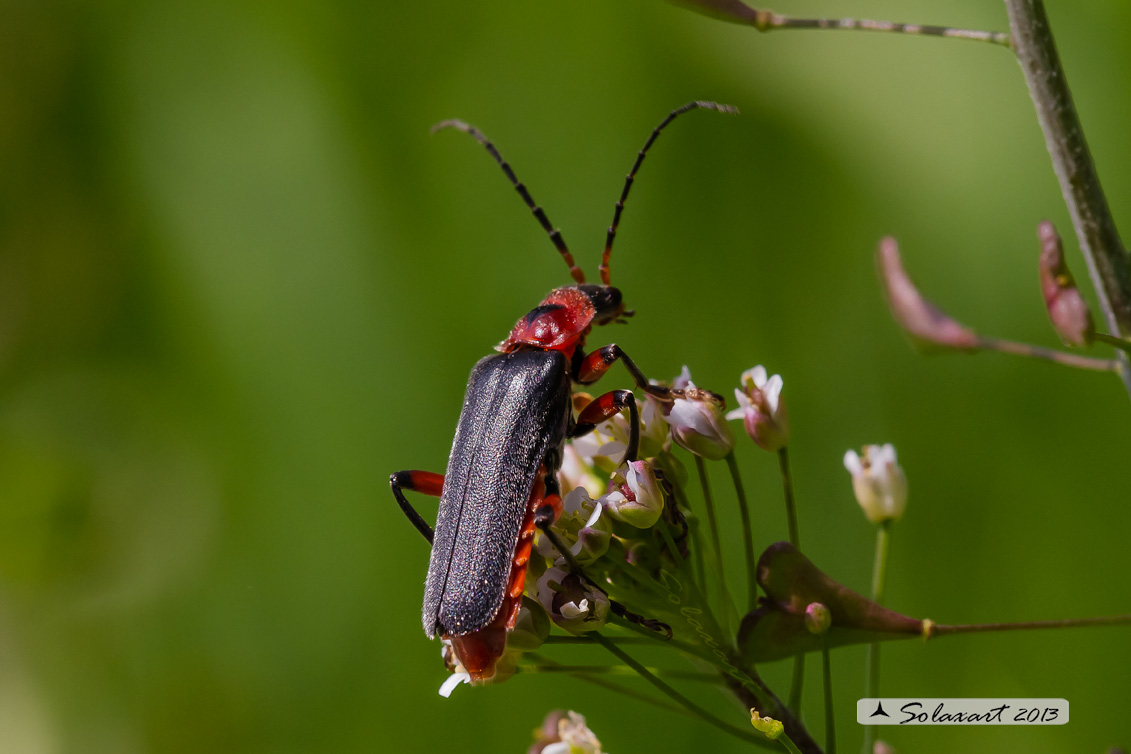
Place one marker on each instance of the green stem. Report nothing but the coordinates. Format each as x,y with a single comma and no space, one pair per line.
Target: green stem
1111,340
880,565
789,745
712,520
616,687
1048,354
1075,170
974,628
685,675
787,489
696,541
747,533
558,639
677,697
795,684
766,20
872,661
830,724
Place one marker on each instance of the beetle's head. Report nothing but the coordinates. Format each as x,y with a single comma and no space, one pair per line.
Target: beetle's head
608,305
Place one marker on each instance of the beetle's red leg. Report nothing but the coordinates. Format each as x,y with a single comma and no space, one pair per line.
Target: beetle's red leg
593,367
605,406
424,482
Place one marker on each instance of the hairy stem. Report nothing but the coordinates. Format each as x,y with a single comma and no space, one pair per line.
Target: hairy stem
1072,162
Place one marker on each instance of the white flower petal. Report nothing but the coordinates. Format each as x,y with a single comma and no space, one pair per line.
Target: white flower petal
772,392
453,680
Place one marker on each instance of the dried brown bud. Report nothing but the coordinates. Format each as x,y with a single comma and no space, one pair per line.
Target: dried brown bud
1067,309
929,327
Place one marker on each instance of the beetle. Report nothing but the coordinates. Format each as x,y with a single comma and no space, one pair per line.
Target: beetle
501,483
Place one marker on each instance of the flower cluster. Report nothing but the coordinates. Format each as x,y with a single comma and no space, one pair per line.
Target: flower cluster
625,531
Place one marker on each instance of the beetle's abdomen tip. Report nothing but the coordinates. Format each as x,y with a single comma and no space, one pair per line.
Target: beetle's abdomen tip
480,650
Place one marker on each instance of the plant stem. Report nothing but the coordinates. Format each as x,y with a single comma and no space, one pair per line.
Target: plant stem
752,692
686,675
1075,170
747,534
738,12
827,670
559,639
1048,354
789,745
795,684
616,687
677,697
709,503
1111,340
787,490
973,628
872,661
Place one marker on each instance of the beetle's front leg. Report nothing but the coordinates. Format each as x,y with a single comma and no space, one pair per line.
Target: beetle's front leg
606,406
593,367
424,482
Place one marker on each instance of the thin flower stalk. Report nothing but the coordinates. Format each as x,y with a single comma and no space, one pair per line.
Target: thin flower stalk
872,659
766,20
747,534
677,697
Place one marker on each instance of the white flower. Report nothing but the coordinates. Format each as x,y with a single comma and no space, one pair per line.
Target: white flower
577,471
581,528
762,409
697,421
879,482
572,605
637,498
574,737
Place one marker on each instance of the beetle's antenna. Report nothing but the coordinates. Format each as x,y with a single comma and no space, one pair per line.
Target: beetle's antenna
612,234
539,213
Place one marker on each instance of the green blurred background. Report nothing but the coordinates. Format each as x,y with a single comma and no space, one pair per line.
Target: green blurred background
240,284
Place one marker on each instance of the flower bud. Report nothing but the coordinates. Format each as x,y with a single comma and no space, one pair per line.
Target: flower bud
878,481
636,498
1067,309
927,325
768,726
818,619
762,409
697,421
573,605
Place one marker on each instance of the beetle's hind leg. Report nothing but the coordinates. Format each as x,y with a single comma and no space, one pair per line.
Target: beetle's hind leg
424,482
544,518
